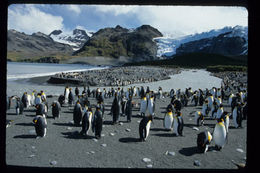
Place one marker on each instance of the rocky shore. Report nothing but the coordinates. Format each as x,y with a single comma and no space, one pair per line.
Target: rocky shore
115,76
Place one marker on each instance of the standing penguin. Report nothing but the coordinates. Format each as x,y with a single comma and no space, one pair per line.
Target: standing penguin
76,91
203,140
151,106
199,118
220,111
66,94
237,115
97,123
168,119
128,110
25,100
218,100
19,106
220,134
56,109
77,114
40,109
115,109
214,110
177,104
144,127
210,100
178,123
71,97
61,100
33,96
87,122
143,106
225,117
123,105
38,99
230,99
40,125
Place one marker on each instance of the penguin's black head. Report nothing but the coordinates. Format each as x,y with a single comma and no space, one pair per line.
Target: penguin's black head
150,117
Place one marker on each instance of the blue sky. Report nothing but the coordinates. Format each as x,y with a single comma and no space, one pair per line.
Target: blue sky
173,20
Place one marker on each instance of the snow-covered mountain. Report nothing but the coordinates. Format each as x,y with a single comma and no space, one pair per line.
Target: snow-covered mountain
167,46
76,39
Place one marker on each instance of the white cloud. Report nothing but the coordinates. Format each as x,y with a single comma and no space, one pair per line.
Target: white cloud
74,8
117,9
182,20
29,19
192,19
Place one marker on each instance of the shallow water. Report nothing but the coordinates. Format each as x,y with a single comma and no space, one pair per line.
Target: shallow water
17,70
187,78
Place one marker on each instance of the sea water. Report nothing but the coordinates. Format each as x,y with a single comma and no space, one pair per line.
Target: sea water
194,78
17,70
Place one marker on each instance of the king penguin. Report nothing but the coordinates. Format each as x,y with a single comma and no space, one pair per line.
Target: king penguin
178,123
220,134
66,94
144,127
225,116
151,105
168,119
203,140
77,114
40,109
40,125
199,118
87,122
115,110
98,122
237,115
56,109
143,106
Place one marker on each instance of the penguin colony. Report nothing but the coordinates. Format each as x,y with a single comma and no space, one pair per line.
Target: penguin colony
90,116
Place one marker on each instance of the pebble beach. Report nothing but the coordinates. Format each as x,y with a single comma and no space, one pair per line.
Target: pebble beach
119,147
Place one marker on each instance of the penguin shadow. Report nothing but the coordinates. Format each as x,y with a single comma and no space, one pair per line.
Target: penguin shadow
159,129
64,124
25,136
11,114
189,125
189,151
107,122
158,118
170,134
129,140
76,135
24,124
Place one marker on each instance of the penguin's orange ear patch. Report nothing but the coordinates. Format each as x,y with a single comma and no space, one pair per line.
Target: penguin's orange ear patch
35,121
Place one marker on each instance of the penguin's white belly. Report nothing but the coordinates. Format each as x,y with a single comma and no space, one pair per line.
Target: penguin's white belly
219,135
227,123
89,123
147,130
168,120
150,108
143,107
